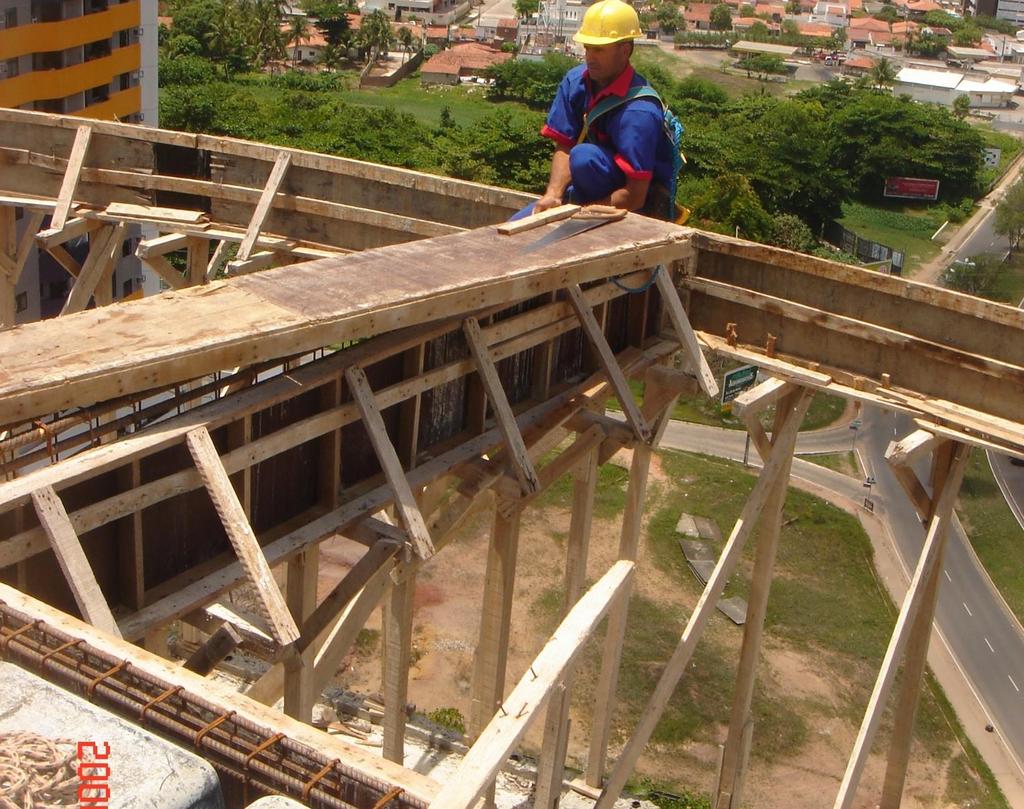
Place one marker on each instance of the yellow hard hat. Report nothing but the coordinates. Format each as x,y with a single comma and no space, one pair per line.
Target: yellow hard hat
608,21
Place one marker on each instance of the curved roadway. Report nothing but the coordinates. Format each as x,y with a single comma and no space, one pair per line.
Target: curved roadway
984,639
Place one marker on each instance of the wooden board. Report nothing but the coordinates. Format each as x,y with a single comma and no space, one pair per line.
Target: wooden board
292,309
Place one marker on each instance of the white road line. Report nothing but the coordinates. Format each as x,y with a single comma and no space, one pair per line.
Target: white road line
1013,683
989,645
947,574
967,608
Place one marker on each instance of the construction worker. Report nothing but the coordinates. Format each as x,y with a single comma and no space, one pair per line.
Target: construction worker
611,143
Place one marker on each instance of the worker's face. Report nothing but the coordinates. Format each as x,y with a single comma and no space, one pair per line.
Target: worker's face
605,62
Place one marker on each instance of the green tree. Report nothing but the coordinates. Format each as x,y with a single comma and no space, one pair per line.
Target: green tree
961,106
721,18
298,32
526,8
887,14
882,74
758,32
746,10
731,203
405,39
1009,218
975,276
332,20
376,34
967,36
668,17
791,232
762,64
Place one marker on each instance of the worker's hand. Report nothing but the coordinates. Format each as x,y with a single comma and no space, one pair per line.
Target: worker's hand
546,202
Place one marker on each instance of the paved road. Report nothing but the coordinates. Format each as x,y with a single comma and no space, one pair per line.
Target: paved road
985,640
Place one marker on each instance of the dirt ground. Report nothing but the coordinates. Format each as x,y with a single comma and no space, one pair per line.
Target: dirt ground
448,594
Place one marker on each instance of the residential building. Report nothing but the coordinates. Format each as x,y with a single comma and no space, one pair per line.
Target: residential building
434,12
470,59
89,58
698,16
938,87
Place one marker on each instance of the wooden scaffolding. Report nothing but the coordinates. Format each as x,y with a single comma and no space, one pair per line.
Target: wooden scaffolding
416,367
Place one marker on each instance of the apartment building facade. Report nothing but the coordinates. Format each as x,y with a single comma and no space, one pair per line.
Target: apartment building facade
89,58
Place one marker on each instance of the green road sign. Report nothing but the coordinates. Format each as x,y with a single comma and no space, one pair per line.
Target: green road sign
738,380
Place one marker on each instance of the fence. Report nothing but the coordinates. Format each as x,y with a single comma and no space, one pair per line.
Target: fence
864,249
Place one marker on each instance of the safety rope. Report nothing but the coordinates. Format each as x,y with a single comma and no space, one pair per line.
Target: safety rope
36,772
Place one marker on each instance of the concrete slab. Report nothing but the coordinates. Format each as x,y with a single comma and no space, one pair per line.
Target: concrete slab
695,550
708,529
735,609
687,526
146,772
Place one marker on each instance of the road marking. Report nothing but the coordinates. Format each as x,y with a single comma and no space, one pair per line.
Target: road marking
967,608
989,645
1013,683
947,574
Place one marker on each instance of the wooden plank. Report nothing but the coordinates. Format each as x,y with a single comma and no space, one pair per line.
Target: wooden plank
736,751
684,331
345,590
300,595
217,260
397,638
219,645
535,220
912,603
197,260
758,398
160,245
611,366
232,516
162,267
68,186
72,560
505,730
916,493
515,449
674,669
408,510
340,300
65,259
101,258
26,243
73,228
259,216
256,262
888,338
911,448
152,213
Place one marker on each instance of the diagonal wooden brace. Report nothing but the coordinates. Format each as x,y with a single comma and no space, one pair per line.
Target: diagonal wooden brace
72,560
262,211
69,185
240,533
408,512
900,455
685,333
518,457
608,361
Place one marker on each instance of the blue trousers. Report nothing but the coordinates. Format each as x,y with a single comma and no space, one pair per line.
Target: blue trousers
594,176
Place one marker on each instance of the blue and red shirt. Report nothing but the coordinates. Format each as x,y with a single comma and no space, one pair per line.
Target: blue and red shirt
634,132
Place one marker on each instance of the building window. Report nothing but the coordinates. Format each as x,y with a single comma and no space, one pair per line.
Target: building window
21,302
12,68
46,10
126,248
10,18
125,81
52,105
48,60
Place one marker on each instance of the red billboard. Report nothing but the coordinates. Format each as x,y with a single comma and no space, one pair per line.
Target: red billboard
911,188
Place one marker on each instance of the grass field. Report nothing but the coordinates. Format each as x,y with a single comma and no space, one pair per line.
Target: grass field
844,462
907,228
826,602
1009,287
996,536
735,84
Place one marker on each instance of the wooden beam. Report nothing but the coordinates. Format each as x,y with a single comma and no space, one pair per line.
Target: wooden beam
912,603
219,645
155,213
65,259
73,228
266,201
26,243
551,767
515,449
910,484
758,398
255,262
68,186
505,730
532,221
217,260
162,267
300,595
684,331
345,590
911,447
736,752
232,516
608,361
102,256
405,503
197,260
615,637
160,245
72,560
8,245
782,451
397,638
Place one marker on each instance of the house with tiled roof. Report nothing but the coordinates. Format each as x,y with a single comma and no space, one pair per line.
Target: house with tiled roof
868,24
698,16
857,65
743,24
467,59
815,29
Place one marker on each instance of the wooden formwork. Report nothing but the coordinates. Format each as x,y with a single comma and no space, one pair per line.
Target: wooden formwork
386,395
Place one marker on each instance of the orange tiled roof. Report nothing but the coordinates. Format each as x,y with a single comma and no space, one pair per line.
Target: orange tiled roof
868,24
469,56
